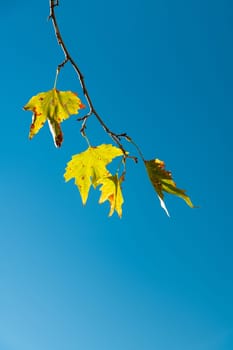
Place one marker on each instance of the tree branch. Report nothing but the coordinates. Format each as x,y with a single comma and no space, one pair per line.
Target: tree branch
115,137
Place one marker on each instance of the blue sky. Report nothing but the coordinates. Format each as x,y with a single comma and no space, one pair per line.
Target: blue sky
70,277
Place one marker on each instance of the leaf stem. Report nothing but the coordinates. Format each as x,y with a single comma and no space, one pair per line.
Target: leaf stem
56,76
88,142
129,139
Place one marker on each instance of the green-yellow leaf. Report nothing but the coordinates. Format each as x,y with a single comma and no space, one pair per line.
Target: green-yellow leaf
111,191
88,167
162,181
53,106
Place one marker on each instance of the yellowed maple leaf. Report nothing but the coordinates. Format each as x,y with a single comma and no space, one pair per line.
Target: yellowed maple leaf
162,181
111,191
53,106
88,167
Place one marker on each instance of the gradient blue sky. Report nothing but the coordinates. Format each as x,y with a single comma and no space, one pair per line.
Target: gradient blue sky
70,277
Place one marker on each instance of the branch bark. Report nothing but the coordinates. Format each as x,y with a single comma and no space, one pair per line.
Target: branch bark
92,111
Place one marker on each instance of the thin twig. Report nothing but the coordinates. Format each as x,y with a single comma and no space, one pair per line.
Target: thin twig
116,137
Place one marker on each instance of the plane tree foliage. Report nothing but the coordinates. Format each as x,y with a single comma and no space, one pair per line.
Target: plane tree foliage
89,169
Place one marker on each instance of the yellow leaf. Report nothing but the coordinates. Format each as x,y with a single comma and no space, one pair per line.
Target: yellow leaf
88,167
162,181
111,191
53,106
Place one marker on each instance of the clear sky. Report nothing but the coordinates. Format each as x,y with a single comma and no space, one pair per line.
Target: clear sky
70,277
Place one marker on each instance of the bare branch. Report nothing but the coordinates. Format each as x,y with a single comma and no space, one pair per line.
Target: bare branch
115,137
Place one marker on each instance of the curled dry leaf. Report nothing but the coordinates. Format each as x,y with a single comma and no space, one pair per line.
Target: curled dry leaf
162,181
